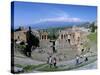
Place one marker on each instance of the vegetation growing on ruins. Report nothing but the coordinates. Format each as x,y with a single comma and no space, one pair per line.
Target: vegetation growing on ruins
92,37
28,68
93,27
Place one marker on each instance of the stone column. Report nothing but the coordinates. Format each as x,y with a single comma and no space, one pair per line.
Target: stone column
42,37
61,36
46,37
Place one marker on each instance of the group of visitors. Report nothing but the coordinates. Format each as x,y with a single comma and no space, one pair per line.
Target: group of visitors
81,57
52,61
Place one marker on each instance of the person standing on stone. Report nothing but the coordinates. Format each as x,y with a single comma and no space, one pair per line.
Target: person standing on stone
77,59
55,62
50,61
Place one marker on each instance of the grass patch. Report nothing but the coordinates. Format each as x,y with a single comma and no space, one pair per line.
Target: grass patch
22,47
18,65
29,68
86,45
92,37
48,69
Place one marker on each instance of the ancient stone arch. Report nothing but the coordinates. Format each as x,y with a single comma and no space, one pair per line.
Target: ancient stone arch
44,36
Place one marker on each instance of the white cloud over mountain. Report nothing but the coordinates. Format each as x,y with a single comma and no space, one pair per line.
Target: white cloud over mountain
59,19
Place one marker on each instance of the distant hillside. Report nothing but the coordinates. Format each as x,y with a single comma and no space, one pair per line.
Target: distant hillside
46,25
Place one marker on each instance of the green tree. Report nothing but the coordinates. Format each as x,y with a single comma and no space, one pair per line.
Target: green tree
32,40
53,35
93,27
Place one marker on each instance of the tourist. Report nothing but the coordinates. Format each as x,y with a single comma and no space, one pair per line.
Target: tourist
77,59
86,58
50,61
55,62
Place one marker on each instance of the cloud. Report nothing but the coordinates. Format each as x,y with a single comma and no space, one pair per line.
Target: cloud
58,16
59,19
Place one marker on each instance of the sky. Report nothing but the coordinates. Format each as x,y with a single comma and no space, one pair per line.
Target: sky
27,13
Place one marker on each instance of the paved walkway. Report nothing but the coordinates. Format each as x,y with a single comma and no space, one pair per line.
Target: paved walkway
92,64
88,67
72,63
